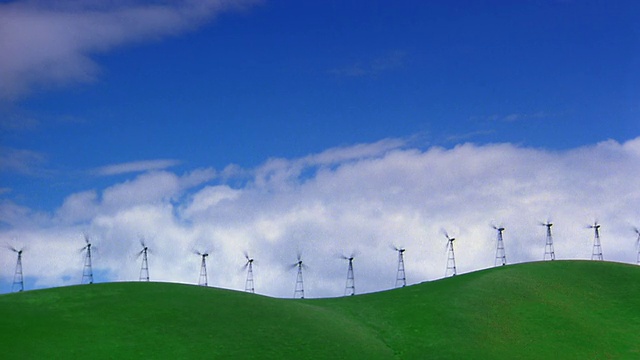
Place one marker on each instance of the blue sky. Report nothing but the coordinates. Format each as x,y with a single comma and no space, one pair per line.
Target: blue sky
287,78
95,97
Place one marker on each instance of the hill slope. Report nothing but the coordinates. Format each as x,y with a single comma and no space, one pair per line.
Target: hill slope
561,309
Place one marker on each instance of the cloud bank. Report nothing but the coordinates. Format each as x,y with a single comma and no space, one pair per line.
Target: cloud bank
51,43
361,198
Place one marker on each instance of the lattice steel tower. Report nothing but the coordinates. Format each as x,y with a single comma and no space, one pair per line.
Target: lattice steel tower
501,257
87,271
350,286
299,290
637,245
144,267
202,280
401,279
596,253
18,281
248,284
548,247
451,257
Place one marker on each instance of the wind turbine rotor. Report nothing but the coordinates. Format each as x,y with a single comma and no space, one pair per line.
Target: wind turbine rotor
203,254
446,235
249,259
497,227
143,244
349,257
548,222
397,248
17,251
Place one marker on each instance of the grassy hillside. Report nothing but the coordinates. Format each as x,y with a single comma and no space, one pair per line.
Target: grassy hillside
561,309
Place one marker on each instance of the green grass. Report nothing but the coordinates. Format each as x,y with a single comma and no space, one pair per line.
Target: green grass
550,310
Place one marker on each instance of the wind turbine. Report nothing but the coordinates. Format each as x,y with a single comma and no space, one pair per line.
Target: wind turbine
451,258
248,285
501,257
17,277
596,253
548,246
87,271
637,244
350,287
299,290
144,267
202,280
401,279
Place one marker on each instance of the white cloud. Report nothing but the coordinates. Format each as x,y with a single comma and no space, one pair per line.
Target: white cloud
361,198
388,62
136,166
51,42
150,188
79,207
20,161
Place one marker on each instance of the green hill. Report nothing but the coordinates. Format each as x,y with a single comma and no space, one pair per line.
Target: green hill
550,310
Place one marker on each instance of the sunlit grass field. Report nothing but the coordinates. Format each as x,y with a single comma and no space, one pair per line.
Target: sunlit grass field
543,310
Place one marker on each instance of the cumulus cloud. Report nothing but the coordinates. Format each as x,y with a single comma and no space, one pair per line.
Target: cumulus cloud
361,198
49,43
153,187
